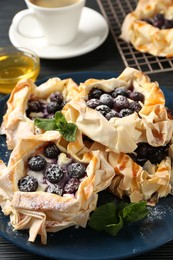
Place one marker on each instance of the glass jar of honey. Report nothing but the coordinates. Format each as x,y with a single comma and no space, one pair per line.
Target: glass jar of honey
17,64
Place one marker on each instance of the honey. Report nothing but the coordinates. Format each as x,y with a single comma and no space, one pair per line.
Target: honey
16,65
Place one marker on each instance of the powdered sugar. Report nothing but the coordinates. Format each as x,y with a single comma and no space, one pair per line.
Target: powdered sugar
4,152
156,213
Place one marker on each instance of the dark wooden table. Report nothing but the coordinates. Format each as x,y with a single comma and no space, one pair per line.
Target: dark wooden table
104,58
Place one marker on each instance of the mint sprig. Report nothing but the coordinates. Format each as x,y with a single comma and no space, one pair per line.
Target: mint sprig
59,123
111,217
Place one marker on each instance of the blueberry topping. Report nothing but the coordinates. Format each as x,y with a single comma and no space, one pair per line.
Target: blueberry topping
103,109
71,186
28,184
36,163
34,106
76,170
93,103
168,24
95,93
53,107
135,106
139,161
160,21
45,109
51,151
157,155
112,114
142,150
123,91
125,112
56,97
107,100
56,189
54,173
120,102
116,103
136,96
145,152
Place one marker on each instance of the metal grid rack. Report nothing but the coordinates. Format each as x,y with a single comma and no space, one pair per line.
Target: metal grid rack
115,11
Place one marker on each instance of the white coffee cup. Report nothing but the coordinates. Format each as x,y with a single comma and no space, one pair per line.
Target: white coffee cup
58,19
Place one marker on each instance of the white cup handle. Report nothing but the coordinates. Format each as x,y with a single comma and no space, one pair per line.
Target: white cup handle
24,22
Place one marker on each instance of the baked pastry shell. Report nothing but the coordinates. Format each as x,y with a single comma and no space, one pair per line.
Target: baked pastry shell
145,37
43,212
15,123
152,124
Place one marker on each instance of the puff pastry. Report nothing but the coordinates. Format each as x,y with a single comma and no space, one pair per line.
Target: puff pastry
151,124
144,36
39,209
35,187
16,123
149,183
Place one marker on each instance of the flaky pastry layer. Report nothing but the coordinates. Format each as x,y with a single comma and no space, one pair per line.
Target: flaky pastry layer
144,36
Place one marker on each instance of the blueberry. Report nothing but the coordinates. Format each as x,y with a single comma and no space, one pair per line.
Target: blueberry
76,170
56,189
139,161
56,97
95,93
34,106
123,91
107,100
53,107
136,96
125,112
51,151
93,103
54,173
159,20
140,154
121,102
103,109
155,155
36,163
71,186
135,106
168,24
28,184
142,150
112,114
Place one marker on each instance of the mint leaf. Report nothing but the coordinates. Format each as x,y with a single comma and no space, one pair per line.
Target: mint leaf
113,229
134,211
60,118
111,218
69,132
59,123
103,216
45,124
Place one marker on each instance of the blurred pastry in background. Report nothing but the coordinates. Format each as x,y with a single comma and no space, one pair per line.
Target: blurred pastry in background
149,28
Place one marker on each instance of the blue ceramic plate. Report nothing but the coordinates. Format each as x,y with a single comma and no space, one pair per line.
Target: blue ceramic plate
87,244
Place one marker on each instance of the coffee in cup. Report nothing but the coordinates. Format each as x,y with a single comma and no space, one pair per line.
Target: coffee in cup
53,3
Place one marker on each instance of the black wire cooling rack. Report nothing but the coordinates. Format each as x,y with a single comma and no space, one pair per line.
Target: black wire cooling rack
115,11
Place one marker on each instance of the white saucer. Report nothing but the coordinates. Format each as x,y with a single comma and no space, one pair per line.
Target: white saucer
93,30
